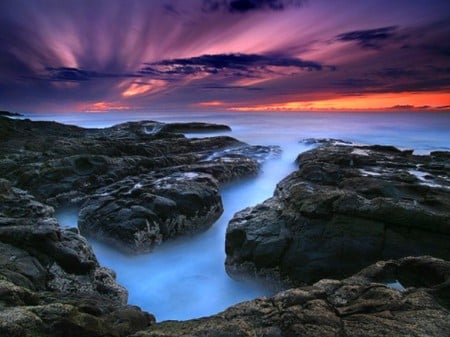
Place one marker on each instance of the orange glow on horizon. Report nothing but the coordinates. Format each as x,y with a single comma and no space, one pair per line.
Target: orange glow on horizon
385,101
211,103
103,107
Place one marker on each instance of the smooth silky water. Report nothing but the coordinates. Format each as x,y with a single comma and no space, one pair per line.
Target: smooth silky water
186,278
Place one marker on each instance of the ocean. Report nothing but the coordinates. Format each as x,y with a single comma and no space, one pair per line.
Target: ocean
186,278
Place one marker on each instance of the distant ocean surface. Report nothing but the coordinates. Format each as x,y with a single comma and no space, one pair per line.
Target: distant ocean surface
186,278
420,130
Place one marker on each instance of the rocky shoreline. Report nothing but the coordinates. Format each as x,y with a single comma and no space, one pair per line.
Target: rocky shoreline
51,283
136,183
142,183
346,206
361,305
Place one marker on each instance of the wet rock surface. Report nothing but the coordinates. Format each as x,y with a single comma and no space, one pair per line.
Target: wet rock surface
194,127
50,281
161,184
345,207
138,213
357,306
96,168
59,163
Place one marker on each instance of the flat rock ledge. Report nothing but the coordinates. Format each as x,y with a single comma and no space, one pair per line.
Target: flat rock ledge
345,207
137,184
365,304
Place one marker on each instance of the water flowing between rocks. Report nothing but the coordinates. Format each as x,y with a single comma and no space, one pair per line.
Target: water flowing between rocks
186,278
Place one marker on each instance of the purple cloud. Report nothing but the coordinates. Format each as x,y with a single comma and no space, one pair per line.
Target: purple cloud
248,65
161,53
369,38
244,6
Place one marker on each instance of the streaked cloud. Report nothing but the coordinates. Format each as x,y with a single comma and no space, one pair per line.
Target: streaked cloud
244,6
238,65
369,38
185,54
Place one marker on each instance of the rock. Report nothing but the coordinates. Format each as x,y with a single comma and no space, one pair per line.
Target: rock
423,272
356,306
257,152
345,207
136,214
50,281
63,165
72,317
194,127
330,141
10,114
52,285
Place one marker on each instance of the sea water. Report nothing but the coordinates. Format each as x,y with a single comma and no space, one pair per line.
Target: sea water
186,278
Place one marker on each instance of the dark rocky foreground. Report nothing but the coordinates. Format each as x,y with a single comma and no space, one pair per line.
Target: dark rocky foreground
50,281
361,305
138,184
344,208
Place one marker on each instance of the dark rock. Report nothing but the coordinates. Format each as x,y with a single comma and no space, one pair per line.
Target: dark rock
224,168
50,281
52,285
321,141
194,127
423,272
257,152
362,305
10,114
62,163
137,213
345,207
67,165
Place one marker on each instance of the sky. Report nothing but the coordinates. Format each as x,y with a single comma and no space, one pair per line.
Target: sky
224,55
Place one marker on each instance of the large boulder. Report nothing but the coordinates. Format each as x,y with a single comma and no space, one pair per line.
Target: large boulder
138,213
344,208
363,305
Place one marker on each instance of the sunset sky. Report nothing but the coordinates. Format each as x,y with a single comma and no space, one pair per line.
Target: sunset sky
224,55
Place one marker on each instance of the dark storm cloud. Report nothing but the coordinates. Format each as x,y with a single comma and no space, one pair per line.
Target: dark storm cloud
67,74
244,6
369,38
70,74
240,65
